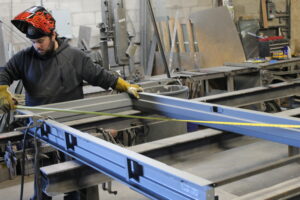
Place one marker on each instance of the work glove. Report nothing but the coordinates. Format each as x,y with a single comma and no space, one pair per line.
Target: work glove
7,102
132,89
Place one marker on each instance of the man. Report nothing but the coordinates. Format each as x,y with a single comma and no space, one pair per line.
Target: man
51,70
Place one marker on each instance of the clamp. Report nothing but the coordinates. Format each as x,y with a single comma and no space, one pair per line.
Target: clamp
37,121
10,160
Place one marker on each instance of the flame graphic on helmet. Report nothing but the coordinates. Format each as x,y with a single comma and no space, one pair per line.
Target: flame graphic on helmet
38,17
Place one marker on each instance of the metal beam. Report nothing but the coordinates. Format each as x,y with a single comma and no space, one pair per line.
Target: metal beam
69,176
253,95
260,169
136,170
59,178
109,103
145,175
56,179
190,110
283,190
280,64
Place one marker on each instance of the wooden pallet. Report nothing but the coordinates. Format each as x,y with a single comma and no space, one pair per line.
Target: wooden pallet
184,41
182,49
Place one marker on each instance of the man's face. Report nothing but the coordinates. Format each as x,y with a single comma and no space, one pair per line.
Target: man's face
44,45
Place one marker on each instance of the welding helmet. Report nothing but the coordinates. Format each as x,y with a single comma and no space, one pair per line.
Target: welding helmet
35,22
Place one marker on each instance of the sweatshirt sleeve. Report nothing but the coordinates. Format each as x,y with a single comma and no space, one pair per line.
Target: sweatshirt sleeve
96,75
11,70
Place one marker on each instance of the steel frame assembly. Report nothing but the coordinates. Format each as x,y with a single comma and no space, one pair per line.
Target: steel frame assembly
145,175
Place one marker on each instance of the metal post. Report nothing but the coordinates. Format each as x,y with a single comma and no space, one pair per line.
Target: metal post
121,40
145,35
105,26
162,53
103,46
3,52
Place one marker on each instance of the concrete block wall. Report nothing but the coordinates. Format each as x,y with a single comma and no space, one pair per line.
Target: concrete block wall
82,12
183,7
251,9
88,13
8,10
244,8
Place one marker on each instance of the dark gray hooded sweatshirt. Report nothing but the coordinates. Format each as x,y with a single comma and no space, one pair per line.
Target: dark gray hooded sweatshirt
57,77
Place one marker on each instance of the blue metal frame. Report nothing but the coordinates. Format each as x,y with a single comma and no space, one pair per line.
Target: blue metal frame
192,110
145,175
152,178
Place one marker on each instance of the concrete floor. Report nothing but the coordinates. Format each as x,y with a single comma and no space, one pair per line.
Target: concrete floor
211,162
227,163
10,190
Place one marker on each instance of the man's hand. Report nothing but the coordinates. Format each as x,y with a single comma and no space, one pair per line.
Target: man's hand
6,100
132,89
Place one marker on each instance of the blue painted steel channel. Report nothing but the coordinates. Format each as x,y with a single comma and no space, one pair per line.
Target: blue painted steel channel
192,110
147,176
150,177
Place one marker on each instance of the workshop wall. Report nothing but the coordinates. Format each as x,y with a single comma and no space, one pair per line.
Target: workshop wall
251,10
184,8
89,13
82,13
168,8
